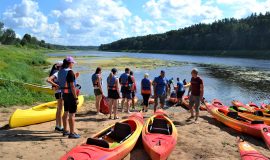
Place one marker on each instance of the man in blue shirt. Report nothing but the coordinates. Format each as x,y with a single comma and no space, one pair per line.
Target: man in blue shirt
160,84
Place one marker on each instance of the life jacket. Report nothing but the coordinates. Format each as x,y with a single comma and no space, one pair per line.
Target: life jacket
111,83
180,86
95,80
146,86
62,80
124,80
134,87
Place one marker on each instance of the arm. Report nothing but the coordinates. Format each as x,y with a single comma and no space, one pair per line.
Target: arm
201,91
154,88
50,80
189,90
117,86
151,87
73,89
99,84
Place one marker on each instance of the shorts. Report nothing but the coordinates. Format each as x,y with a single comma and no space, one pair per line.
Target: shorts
133,94
127,94
69,103
97,92
58,95
194,101
113,94
180,94
161,99
146,99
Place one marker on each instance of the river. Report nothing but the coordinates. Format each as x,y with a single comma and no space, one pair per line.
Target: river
224,78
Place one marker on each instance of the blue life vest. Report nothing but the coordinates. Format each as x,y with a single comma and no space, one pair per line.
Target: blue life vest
161,84
94,80
180,86
146,84
62,80
124,79
111,83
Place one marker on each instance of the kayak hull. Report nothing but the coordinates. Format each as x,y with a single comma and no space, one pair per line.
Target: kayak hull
247,152
92,152
159,146
38,114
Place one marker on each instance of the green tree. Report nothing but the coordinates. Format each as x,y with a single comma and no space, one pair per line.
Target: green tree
8,37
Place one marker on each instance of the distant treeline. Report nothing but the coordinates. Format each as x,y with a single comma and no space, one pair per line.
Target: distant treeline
8,37
248,34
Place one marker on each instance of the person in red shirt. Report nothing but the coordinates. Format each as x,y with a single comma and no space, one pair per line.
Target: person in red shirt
197,90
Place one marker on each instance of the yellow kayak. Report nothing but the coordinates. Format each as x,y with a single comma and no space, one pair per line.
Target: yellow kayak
38,114
33,87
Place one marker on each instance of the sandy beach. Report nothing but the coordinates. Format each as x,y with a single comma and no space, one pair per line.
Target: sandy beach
207,140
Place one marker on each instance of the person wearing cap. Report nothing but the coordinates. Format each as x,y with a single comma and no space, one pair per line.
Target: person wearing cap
126,85
97,84
53,80
113,92
180,88
146,90
67,83
160,84
197,90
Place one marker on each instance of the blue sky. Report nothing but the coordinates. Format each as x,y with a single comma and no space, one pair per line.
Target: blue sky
95,22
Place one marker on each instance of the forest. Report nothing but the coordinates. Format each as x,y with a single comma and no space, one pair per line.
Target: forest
229,34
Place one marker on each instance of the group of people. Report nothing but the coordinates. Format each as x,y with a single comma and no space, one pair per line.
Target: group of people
63,81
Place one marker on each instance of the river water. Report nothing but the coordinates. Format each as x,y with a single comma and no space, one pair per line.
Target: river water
224,78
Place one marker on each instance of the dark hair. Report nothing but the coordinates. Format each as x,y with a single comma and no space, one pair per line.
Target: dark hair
127,70
177,78
98,70
131,73
114,70
65,63
53,70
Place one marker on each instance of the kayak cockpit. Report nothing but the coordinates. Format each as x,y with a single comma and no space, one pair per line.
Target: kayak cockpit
160,125
114,136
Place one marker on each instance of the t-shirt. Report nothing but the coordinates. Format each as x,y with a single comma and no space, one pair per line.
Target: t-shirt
195,86
180,87
70,77
56,81
161,85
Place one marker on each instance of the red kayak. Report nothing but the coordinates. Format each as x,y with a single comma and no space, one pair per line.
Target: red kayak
112,143
233,120
159,136
247,152
250,108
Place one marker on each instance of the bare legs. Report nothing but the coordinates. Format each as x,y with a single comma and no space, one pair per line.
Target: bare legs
59,113
113,108
98,100
65,119
71,121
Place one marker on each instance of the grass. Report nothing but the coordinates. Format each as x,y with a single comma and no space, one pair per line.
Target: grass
24,65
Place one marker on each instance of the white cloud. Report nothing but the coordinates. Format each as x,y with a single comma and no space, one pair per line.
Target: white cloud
243,8
26,15
183,12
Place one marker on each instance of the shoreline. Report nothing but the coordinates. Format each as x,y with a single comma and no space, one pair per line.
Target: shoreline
245,54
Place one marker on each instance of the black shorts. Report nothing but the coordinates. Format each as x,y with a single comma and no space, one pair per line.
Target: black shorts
180,94
58,96
97,92
69,103
113,94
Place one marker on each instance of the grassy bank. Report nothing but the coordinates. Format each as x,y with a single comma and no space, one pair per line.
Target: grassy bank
24,65
216,53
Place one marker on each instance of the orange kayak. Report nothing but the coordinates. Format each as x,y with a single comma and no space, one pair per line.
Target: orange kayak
112,143
233,120
159,136
185,103
247,152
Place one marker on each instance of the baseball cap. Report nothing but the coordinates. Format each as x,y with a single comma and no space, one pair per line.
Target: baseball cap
114,70
162,71
70,59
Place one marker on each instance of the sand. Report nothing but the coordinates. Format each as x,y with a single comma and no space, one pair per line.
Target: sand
207,140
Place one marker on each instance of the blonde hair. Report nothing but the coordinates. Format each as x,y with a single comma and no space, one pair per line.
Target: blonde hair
146,75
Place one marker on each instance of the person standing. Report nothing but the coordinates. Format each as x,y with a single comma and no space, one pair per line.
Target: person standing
146,90
67,83
126,85
197,90
170,83
113,92
53,80
160,84
97,84
133,89
180,90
